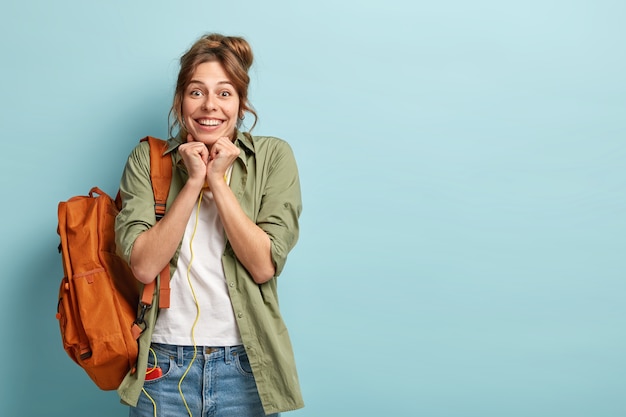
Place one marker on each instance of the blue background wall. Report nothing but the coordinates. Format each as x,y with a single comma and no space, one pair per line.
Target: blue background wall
463,168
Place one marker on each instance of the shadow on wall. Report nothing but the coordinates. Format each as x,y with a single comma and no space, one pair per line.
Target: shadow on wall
40,361
35,358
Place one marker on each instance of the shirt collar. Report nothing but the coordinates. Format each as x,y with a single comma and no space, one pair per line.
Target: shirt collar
244,141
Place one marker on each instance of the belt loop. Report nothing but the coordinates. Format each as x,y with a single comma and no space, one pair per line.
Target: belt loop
181,355
227,355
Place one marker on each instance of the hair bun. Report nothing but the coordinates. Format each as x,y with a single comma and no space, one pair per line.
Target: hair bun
238,45
241,48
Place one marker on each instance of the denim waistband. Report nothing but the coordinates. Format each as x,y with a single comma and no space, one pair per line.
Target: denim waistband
186,352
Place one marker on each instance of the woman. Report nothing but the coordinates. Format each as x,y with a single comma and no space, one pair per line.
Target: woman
232,218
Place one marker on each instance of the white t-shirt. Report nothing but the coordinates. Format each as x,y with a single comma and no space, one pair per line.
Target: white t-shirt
216,324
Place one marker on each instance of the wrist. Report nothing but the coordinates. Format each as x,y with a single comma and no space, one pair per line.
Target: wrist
216,182
195,184
216,179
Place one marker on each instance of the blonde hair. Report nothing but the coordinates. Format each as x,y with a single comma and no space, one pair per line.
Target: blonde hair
234,55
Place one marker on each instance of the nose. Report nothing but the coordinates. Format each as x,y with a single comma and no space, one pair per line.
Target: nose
209,102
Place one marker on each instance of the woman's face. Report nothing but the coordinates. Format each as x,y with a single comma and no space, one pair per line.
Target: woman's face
210,104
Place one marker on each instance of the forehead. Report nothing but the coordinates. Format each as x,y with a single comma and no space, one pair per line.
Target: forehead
210,73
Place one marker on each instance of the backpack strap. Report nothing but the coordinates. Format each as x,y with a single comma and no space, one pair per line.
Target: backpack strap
160,173
161,177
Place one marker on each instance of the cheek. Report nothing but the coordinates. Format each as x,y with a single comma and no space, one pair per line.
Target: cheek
186,109
234,110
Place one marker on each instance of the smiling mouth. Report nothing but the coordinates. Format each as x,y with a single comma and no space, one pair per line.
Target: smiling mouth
209,122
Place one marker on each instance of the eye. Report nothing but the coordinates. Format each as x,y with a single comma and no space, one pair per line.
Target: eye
195,93
225,93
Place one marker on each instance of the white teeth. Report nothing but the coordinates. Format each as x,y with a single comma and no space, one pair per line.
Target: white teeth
211,122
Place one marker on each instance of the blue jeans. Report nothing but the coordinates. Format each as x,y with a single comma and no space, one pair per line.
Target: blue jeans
218,384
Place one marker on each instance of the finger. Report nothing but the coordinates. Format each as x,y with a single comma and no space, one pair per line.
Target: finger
193,151
203,152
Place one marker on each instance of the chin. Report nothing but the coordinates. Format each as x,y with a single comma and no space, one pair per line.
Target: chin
204,137
211,138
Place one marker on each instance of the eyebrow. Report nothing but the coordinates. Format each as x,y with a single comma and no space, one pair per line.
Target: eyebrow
218,83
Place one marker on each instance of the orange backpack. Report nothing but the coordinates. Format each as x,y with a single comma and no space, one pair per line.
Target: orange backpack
99,311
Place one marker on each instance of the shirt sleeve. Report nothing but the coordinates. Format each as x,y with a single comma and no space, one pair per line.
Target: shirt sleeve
281,203
137,212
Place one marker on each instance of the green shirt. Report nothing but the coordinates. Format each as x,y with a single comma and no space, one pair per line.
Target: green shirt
265,182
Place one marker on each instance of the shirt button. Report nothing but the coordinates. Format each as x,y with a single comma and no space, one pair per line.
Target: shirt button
231,285
240,315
